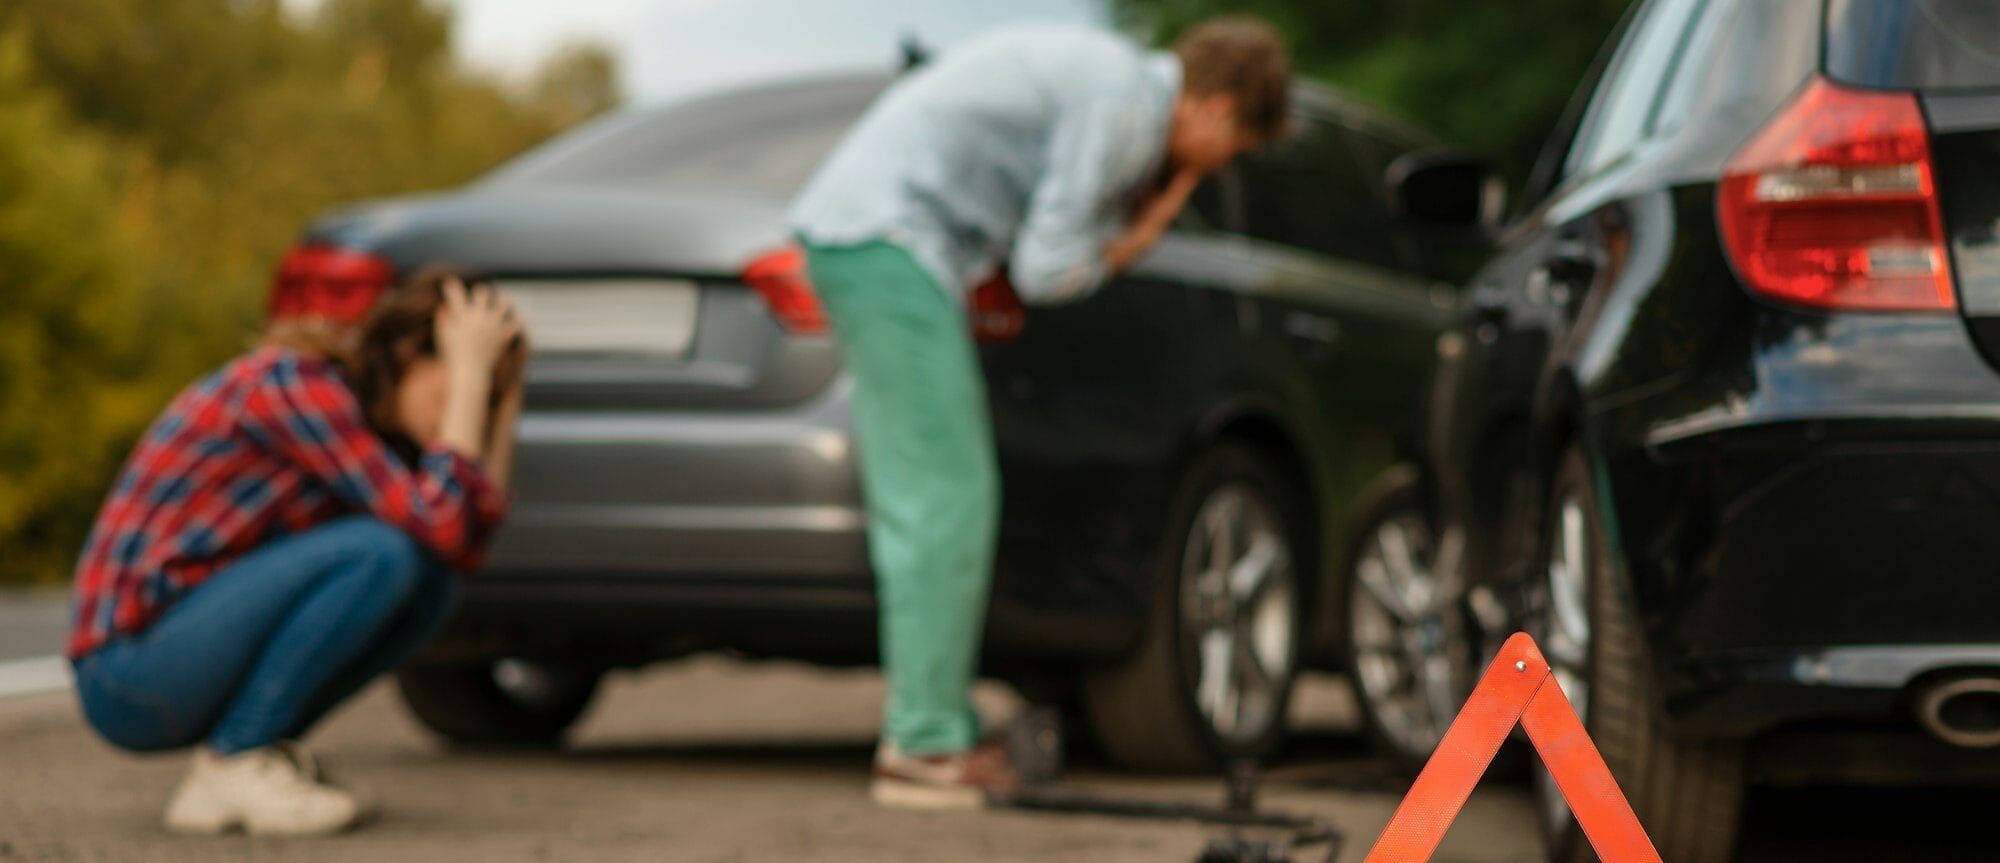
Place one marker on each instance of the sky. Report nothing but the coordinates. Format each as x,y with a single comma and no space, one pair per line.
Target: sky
671,48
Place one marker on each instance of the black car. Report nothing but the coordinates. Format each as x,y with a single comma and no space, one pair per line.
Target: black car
1181,452
1722,423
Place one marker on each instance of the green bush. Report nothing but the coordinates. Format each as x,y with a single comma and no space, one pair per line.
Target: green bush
1492,74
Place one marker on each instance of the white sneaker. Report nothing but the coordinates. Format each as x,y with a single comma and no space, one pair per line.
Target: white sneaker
312,768
266,792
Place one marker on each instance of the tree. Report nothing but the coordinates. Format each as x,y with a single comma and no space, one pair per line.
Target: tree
68,354
156,159
1491,74
579,81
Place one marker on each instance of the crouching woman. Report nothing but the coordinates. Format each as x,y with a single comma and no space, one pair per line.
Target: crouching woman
284,533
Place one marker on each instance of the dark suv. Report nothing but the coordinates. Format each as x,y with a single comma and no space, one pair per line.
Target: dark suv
1722,422
1180,452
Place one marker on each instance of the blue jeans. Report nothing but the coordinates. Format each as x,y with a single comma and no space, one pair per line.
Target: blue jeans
267,645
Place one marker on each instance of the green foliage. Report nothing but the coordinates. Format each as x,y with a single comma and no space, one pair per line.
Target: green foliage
156,158
1491,74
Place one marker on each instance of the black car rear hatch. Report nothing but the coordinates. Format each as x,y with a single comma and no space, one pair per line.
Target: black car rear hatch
1948,53
1966,146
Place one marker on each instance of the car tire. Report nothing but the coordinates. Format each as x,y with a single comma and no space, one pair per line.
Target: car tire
1406,637
1211,679
1688,793
505,702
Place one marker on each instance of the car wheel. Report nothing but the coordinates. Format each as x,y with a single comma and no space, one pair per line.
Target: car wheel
1212,677
505,702
1687,793
1408,642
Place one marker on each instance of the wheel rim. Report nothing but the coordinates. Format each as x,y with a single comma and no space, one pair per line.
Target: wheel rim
1407,639
1238,614
535,685
1564,624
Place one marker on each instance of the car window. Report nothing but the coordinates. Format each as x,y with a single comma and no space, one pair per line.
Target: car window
1309,193
1702,40
1374,150
1926,44
766,142
1760,52
1547,171
1215,204
1621,111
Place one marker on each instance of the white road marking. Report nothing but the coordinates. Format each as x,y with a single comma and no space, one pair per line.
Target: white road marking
32,676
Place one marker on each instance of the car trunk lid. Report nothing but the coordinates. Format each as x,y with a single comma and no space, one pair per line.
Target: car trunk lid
634,301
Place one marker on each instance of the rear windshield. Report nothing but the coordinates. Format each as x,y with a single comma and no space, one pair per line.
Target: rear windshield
1914,44
764,142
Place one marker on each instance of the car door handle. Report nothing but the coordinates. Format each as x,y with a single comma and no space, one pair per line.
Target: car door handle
1563,275
1489,304
1570,263
1317,329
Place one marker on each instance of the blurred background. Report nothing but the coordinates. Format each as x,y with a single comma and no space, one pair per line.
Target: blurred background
157,156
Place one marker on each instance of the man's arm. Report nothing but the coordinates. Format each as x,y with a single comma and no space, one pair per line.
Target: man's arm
1154,218
1097,156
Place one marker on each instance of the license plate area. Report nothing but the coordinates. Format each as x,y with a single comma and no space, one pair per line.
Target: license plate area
634,319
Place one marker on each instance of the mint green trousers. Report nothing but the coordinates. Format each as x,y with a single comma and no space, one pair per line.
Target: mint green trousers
930,477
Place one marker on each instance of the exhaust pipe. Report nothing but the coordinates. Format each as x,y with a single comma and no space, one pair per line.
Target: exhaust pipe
1963,711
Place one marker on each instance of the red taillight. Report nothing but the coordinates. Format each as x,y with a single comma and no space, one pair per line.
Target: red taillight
780,278
1834,205
997,313
322,281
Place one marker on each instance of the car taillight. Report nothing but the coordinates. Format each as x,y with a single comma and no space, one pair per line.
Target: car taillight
997,313
780,278
322,281
1834,205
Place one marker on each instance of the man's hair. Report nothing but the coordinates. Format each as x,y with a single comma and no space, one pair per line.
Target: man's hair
1245,57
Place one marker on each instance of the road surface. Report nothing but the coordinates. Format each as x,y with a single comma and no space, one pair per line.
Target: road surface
718,760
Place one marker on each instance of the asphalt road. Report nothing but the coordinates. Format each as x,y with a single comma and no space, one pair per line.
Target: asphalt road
707,760
716,760
32,623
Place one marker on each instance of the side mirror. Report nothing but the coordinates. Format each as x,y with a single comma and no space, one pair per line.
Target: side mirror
1447,189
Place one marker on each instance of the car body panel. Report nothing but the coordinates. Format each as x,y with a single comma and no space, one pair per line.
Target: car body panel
1798,498
709,500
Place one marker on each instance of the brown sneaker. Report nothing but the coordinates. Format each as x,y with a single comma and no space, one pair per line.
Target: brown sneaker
959,780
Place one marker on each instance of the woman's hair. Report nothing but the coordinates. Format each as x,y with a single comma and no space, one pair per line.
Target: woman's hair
402,327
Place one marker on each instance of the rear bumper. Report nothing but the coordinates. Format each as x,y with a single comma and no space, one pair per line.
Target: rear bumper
1818,531
698,495
1841,715
1818,581
633,621
1752,691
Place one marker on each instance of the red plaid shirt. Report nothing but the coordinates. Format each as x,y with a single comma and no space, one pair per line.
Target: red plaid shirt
271,444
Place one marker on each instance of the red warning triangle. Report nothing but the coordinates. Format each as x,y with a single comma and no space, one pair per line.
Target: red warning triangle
1518,689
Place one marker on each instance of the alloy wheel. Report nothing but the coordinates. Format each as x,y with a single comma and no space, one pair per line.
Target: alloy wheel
1562,624
1239,613
1407,636
538,685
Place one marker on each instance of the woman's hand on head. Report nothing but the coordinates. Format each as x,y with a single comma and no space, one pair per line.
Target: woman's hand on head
474,328
473,331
